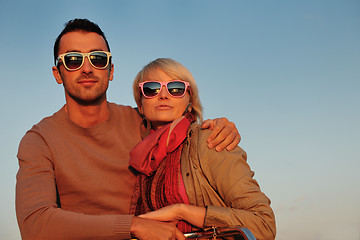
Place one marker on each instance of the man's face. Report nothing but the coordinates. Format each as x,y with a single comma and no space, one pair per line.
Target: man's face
86,85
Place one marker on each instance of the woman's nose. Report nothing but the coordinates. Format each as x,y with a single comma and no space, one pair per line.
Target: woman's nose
163,93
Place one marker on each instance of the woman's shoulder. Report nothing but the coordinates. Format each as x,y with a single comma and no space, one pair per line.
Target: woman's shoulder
196,132
198,139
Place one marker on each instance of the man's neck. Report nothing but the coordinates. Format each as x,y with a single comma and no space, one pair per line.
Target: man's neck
87,115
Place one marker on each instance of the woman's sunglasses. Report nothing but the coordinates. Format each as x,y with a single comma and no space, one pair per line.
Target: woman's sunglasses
74,60
176,88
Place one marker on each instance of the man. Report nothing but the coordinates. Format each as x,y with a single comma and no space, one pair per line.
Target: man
73,180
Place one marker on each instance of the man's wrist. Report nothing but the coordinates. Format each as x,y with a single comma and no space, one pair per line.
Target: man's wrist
133,226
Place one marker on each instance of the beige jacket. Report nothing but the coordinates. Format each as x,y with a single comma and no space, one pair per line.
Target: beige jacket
223,182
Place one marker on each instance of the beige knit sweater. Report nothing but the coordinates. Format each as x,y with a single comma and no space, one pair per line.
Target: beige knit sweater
74,182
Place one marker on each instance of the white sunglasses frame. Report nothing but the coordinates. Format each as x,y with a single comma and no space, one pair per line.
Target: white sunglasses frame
84,55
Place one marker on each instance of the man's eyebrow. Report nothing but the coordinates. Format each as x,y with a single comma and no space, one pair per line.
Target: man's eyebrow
74,50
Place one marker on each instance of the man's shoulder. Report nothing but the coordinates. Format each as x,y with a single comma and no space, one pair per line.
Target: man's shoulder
124,108
47,122
36,134
120,106
125,114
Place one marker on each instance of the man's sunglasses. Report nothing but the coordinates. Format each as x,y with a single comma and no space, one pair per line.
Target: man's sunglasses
176,88
74,60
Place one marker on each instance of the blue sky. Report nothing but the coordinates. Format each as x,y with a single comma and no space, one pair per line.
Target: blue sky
286,72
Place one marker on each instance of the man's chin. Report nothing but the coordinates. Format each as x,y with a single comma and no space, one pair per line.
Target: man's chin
89,101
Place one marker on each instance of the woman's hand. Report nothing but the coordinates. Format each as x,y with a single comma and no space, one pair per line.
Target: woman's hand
224,134
192,214
165,214
147,229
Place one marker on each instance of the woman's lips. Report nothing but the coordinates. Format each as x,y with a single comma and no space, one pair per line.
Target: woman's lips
163,107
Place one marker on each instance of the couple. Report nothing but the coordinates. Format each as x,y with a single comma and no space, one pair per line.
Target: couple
74,182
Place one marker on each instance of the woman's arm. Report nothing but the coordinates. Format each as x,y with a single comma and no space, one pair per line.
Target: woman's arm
192,214
229,176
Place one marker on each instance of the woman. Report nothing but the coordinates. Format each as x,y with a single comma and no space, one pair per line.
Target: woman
179,176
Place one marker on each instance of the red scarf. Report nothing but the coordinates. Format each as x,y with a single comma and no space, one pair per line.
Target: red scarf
157,158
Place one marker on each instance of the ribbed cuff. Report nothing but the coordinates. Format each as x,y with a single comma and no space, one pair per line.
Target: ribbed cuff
122,226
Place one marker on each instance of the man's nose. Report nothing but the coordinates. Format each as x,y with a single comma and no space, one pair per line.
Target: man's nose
87,67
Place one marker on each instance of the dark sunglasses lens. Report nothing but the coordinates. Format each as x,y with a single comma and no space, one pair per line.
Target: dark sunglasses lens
99,59
151,89
73,60
176,89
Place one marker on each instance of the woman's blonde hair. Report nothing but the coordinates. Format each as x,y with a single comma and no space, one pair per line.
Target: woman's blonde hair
174,70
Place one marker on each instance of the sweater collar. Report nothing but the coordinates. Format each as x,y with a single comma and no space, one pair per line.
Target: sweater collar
99,128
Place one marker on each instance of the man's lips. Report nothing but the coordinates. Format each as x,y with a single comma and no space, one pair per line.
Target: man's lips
87,82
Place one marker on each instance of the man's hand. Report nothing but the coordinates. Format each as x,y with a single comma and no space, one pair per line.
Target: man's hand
224,134
147,229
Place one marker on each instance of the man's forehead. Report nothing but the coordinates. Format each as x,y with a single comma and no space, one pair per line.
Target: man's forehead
81,41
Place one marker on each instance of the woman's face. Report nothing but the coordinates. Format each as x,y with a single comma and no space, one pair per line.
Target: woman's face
163,108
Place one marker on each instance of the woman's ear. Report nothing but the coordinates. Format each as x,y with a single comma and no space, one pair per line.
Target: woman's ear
189,107
141,110
57,75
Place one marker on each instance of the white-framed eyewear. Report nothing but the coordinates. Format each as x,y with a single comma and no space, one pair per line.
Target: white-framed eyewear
73,61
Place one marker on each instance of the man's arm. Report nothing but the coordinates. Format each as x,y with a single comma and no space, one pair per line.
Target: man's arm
224,134
38,213
40,216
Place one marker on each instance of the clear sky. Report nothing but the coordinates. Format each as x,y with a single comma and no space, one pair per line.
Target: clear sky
286,72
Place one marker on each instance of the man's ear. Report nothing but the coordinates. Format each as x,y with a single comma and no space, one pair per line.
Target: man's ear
111,76
57,75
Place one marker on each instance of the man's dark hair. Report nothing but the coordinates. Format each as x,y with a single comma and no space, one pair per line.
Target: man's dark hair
75,25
